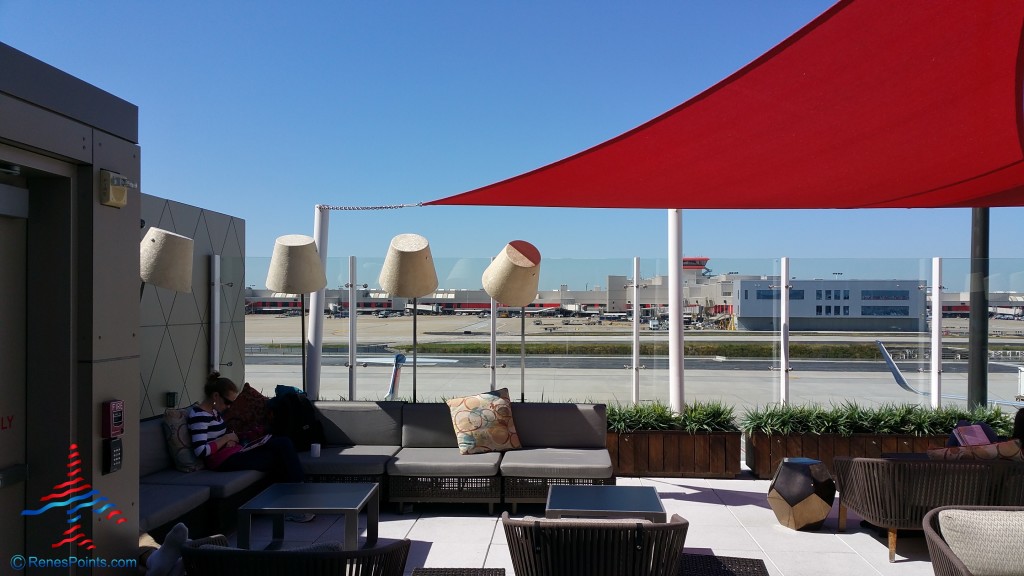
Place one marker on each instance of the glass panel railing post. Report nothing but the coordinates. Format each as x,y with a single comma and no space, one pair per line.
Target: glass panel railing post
636,331
936,333
353,312
784,331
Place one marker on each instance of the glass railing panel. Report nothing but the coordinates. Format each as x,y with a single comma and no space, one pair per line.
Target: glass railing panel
729,356
1004,327
579,331
840,310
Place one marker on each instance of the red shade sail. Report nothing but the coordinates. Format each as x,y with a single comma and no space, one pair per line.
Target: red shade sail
874,104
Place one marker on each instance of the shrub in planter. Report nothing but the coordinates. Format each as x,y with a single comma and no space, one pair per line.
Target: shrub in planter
651,440
776,432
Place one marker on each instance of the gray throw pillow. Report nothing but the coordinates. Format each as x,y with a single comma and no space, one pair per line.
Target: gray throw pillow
988,542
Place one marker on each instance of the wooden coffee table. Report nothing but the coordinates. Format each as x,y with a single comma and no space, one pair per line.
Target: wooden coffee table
605,502
328,498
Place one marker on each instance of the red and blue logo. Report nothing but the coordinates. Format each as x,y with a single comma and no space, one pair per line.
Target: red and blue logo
75,496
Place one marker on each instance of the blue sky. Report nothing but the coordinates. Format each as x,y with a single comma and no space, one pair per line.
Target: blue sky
263,109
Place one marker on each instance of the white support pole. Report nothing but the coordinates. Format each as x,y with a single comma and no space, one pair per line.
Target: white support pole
352,313
215,313
636,330
494,344
314,338
784,329
675,310
936,307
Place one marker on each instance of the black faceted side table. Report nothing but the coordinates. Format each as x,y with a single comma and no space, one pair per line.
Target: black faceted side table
801,493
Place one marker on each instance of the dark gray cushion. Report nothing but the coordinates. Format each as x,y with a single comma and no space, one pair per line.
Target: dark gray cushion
560,425
428,425
557,463
443,462
153,453
355,423
161,503
222,484
349,460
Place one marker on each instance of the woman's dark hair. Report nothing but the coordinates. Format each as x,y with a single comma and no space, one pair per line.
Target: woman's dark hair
1018,426
217,383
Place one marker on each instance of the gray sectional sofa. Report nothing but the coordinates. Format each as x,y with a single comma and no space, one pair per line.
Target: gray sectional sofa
409,449
167,494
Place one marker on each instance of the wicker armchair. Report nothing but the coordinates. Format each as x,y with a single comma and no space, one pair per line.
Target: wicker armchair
895,494
213,557
944,561
569,547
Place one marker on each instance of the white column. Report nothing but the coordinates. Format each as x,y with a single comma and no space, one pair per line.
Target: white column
352,314
315,332
675,310
936,307
636,330
215,313
784,329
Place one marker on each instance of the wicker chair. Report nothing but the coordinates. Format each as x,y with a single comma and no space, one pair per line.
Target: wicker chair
944,561
568,547
895,494
213,557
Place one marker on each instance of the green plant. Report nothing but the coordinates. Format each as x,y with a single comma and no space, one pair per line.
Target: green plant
851,418
711,416
697,417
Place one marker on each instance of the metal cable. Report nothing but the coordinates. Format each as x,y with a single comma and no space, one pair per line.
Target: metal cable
387,207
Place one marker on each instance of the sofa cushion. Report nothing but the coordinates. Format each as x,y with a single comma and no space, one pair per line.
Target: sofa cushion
161,503
248,416
1009,450
361,423
427,425
988,542
179,441
443,462
560,425
483,422
222,484
154,455
558,463
363,460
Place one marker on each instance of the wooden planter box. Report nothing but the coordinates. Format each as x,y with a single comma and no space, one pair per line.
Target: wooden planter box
764,453
671,453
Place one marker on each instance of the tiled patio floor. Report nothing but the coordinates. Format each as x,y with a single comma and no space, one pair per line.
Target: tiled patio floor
727,518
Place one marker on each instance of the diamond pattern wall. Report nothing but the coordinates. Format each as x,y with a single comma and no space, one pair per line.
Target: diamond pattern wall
175,332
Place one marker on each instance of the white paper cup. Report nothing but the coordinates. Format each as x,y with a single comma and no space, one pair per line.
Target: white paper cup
314,450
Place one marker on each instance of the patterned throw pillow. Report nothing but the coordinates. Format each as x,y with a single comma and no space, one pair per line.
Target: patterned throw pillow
247,416
1009,450
179,440
483,423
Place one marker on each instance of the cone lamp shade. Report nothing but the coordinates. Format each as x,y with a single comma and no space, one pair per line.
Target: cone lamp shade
513,275
295,266
165,260
408,270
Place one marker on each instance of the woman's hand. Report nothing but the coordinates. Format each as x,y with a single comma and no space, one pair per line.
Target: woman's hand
229,439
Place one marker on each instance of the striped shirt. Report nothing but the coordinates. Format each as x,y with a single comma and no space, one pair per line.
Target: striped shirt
205,427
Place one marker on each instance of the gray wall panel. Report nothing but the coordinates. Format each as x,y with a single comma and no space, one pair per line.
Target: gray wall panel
38,129
47,87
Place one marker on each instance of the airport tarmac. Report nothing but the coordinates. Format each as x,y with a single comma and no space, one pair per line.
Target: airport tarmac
739,386
268,329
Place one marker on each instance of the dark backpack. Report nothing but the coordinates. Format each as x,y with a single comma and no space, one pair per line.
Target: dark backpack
294,416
